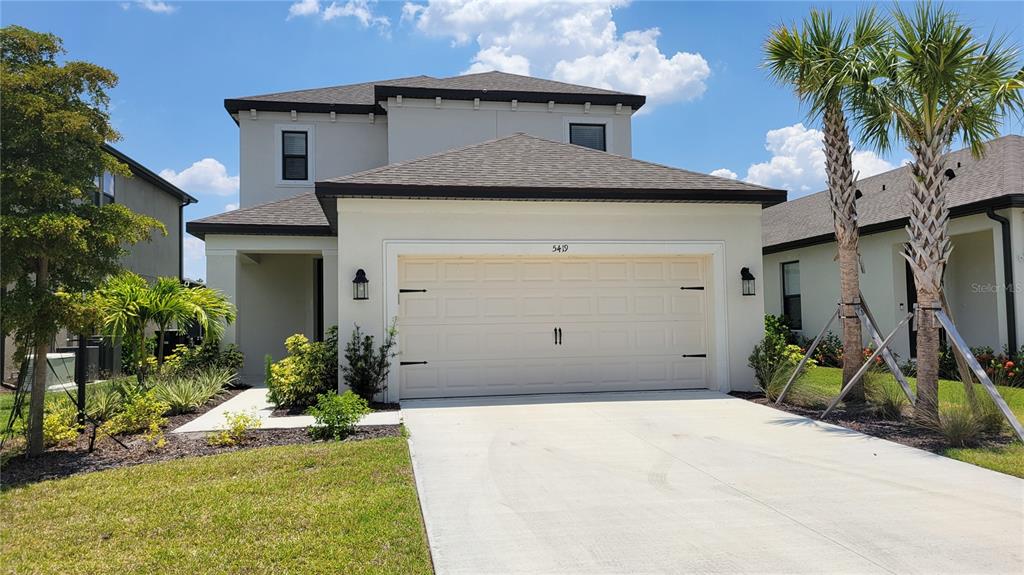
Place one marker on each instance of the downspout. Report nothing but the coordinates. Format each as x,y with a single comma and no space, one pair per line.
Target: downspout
1011,306
181,240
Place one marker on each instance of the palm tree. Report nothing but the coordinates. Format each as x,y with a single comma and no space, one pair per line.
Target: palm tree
821,60
128,305
933,81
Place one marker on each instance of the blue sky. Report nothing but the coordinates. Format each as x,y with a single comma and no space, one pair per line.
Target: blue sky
710,106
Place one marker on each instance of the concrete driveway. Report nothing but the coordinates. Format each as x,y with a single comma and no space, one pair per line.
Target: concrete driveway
694,482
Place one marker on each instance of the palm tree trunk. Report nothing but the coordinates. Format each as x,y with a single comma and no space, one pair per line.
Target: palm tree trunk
842,195
928,251
160,347
37,398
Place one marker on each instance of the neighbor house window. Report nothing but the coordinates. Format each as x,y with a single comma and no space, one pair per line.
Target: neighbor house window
588,135
294,156
791,294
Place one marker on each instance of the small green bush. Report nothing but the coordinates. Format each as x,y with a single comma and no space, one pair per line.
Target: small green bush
886,397
207,355
60,422
367,366
310,369
142,412
103,401
959,425
187,392
237,426
829,352
336,415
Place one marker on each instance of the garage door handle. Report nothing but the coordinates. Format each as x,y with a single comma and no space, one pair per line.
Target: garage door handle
695,355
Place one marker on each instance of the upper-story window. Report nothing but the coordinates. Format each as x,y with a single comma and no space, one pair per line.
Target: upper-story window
588,135
791,294
294,155
104,193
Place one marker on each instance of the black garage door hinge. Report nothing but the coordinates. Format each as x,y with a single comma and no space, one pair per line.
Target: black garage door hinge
412,363
695,355
412,291
701,288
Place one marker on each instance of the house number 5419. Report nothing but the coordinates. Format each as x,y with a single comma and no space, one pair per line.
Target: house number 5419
560,248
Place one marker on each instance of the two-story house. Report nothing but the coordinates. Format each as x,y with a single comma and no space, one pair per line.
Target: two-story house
144,192
501,223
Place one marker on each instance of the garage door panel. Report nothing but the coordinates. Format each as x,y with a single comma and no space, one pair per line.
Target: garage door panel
487,325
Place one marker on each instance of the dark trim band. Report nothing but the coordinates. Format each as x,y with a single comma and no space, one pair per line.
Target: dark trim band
635,101
201,229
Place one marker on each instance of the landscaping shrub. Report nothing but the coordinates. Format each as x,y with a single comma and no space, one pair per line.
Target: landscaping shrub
187,392
102,401
60,422
142,412
310,369
336,415
773,362
237,426
778,326
829,352
885,396
366,367
207,355
959,425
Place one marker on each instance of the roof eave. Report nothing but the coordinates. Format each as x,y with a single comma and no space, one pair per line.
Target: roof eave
997,203
150,176
635,101
201,229
236,105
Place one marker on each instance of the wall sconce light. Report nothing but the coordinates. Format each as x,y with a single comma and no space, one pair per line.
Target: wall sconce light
748,281
360,286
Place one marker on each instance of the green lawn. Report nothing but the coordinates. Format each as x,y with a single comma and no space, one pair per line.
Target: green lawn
824,382
7,404
315,508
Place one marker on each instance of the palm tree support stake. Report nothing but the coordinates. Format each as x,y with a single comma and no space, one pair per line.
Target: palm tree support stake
807,355
867,365
868,319
979,372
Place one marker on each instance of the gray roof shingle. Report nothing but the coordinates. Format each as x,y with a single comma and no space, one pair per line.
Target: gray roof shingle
363,97
298,215
808,220
545,167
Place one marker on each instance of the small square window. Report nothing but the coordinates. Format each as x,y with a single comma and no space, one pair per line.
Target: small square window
294,156
588,135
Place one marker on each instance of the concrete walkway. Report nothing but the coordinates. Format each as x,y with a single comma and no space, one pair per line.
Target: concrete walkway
694,482
254,401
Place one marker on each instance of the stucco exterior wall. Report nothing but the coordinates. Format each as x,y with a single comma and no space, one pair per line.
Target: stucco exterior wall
418,127
270,279
367,227
161,256
348,144
976,262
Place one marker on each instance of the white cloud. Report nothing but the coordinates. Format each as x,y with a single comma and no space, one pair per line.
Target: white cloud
230,207
798,161
725,173
207,176
303,8
569,41
361,10
195,258
153,6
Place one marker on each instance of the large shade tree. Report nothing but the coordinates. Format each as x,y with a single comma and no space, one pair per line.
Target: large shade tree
822,60
53,239
933,81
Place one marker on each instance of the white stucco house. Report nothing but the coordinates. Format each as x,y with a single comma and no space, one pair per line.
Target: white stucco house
985,197
501,221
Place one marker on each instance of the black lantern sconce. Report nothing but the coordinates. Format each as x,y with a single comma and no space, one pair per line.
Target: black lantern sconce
748,281
360,286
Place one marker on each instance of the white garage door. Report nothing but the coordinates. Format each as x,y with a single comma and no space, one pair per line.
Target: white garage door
512,325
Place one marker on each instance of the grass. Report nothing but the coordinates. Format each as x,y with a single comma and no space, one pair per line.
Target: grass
7,404
825,382
315,508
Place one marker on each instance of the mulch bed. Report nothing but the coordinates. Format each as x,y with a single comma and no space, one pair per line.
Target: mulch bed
58,463
904,431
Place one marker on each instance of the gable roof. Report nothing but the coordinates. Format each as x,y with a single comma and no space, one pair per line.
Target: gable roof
296,216
148,175
996,180
362,98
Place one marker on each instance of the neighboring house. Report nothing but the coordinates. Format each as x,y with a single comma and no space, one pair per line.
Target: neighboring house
144,192
985,198
500,220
